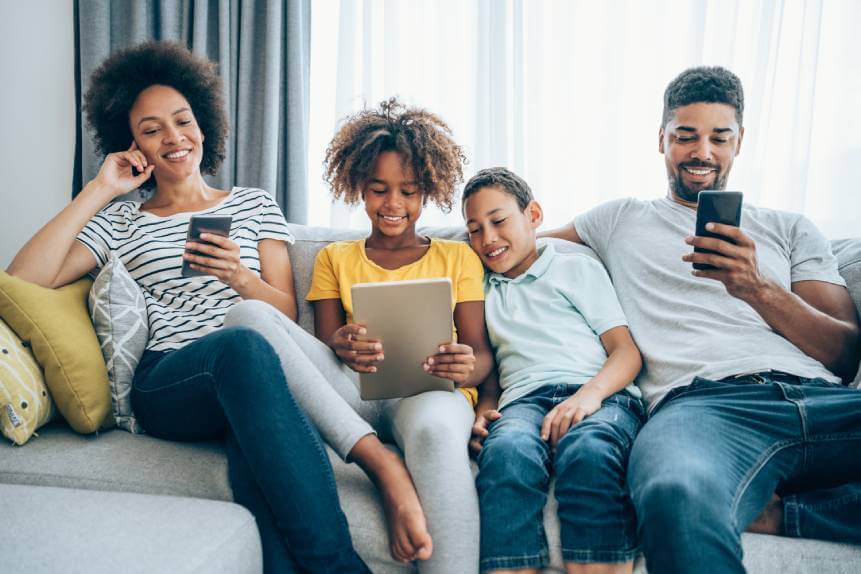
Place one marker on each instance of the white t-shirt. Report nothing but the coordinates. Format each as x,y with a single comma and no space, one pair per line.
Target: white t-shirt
181,309
687,326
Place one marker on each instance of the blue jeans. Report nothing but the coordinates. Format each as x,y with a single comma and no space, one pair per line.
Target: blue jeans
230,384
595,514
714,452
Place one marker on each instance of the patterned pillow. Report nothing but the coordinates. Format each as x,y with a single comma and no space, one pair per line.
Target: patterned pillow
25,404
118,312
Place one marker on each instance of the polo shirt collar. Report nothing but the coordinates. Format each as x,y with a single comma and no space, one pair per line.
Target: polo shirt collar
546,253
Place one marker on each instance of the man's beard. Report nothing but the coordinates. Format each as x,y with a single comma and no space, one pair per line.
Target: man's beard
685,193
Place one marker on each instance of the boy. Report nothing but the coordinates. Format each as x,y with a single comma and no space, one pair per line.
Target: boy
565,362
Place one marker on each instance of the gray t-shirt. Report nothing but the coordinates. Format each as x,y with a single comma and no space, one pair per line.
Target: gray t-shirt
689,326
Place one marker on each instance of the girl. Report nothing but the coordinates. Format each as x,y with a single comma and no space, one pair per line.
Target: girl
395,159
156,111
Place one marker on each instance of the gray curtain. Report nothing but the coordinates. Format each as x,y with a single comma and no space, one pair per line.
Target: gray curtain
262,50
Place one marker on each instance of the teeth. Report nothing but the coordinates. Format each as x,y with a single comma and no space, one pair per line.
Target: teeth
496,252
177,154
392,217
694,171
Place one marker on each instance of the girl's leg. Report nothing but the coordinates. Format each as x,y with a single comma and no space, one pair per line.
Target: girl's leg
433,430
328,392
232,380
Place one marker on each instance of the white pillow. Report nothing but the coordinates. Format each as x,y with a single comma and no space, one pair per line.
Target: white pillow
118,311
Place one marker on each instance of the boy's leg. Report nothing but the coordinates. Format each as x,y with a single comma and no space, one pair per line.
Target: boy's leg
433,429
597,519
512,485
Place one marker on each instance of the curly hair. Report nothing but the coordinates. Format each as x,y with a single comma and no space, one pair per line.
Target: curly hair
502,178
704,84
117,82
422,138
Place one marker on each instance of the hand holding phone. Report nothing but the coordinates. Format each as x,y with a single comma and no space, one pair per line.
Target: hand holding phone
214,224
716,207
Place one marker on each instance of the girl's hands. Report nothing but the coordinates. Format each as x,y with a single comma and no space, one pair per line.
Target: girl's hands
220,259
455,362
116,171
358,353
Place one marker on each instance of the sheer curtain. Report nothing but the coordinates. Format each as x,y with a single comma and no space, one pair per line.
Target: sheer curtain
569,94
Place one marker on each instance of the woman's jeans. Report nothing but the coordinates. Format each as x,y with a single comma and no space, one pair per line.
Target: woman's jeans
714,452
230,384
596,517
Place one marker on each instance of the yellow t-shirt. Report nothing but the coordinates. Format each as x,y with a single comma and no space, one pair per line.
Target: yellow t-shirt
342,264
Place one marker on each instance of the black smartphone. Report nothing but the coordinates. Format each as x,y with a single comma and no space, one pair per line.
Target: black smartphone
718,207
215,224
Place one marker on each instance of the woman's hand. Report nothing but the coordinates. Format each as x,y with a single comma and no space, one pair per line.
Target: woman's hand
220,258
116,172
357,352
455,362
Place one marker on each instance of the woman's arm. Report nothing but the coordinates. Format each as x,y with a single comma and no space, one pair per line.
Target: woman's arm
52,257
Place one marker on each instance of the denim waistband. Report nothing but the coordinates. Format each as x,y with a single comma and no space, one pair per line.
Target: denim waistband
761,377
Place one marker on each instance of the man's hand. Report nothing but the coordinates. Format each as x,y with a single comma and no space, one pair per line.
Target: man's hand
568,413
479,428
358,353
737,266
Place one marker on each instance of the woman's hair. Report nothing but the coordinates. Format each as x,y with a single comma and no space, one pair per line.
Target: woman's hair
116,84
422,138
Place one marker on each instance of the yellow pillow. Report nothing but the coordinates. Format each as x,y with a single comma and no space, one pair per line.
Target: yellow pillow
56,324
25,404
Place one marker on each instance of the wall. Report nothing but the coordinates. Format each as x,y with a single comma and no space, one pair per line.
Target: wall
37,117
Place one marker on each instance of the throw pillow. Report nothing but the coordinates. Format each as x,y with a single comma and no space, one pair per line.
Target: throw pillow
25,404
56,325
118,311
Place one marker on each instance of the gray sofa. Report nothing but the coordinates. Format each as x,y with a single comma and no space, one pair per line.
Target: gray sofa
121,502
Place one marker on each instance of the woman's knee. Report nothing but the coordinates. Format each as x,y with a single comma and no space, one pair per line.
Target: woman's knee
242,350
249,313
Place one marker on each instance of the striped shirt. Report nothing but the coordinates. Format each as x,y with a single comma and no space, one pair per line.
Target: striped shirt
181,310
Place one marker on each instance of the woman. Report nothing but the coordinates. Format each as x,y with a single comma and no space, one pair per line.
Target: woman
157,112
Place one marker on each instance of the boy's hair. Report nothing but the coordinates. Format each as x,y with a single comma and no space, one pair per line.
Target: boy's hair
505,180
704,84
421,137
117,82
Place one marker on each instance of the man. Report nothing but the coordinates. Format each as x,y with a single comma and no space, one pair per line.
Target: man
742,362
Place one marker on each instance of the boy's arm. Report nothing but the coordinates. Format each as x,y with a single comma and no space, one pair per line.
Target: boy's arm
621,367
485,411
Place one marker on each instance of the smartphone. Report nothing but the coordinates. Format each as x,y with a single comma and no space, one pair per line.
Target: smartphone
215,224
718,207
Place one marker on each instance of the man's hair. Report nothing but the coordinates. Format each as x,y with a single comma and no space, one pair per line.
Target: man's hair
704,84
423,140
499,177
119,80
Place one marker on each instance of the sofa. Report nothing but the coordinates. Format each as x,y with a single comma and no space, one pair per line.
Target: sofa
114,501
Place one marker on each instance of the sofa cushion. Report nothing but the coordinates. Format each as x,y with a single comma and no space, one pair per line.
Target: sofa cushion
848,253
56,325
60,530
118,312
25,404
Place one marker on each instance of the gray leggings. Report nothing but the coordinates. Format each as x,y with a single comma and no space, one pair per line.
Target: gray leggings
432,430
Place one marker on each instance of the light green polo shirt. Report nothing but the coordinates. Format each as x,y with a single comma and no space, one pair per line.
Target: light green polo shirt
545,324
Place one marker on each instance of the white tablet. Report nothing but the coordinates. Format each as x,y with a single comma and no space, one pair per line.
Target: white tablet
411,318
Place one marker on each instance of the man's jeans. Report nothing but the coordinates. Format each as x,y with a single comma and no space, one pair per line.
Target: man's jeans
595,513
230,384
714,452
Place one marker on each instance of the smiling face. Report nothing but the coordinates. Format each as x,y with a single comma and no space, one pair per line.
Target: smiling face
699,143
167,133
392,198
500,232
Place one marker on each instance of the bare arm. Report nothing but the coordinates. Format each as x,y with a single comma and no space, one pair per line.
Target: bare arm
471,332
485,411
817,317
621,367
53,257
567,232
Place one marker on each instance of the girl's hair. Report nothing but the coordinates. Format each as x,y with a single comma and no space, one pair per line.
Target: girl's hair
422,138
119,80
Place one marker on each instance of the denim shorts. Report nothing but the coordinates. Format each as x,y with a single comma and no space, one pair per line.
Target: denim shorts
597,519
